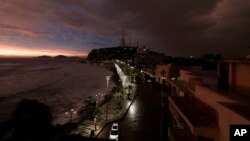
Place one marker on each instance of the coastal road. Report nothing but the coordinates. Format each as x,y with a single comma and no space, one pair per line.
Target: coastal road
142,122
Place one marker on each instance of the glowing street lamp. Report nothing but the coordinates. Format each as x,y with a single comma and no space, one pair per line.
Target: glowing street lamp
70,114
107,78
99,95
95,121
107,106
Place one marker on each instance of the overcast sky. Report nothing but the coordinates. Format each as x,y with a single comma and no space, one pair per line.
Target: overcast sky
173,27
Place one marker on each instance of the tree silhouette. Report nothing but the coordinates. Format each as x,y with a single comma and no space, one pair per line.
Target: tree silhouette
32,121
91,101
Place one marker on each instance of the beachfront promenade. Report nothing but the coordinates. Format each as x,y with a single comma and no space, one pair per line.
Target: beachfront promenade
115,112
111,110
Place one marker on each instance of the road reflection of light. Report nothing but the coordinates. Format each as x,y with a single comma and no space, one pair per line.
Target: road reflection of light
133,110
123,77
125,83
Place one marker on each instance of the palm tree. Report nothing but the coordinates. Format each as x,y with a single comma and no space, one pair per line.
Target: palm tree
92,102
129,89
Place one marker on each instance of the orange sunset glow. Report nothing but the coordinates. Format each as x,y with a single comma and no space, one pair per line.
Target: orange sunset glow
11,51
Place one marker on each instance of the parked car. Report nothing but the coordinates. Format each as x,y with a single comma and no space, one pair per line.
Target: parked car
114,133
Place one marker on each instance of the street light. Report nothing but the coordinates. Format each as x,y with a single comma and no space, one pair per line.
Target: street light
95,122
99,95
131,73
107,78
71,113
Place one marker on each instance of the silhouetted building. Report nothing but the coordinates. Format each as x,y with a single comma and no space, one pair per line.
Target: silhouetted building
203,111
234,75
147,58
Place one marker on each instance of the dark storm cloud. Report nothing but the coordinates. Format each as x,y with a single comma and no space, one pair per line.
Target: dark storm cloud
176,27
22,30
168,25
231,16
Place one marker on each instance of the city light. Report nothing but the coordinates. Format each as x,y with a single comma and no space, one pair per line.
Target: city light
125,80
70,114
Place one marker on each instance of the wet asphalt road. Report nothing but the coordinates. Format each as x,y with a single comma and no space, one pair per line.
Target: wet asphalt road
142,121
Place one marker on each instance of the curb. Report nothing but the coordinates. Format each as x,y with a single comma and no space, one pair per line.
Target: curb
118,118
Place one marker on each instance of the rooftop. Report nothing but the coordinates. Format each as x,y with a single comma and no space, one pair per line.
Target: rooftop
241,105
198,113
243,110
239,98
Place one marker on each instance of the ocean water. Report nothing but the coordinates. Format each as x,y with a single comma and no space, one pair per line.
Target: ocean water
61,85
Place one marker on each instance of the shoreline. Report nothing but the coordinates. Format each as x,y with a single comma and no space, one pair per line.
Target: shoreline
63,94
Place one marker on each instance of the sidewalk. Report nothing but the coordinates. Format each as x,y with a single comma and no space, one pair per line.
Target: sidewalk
115,112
